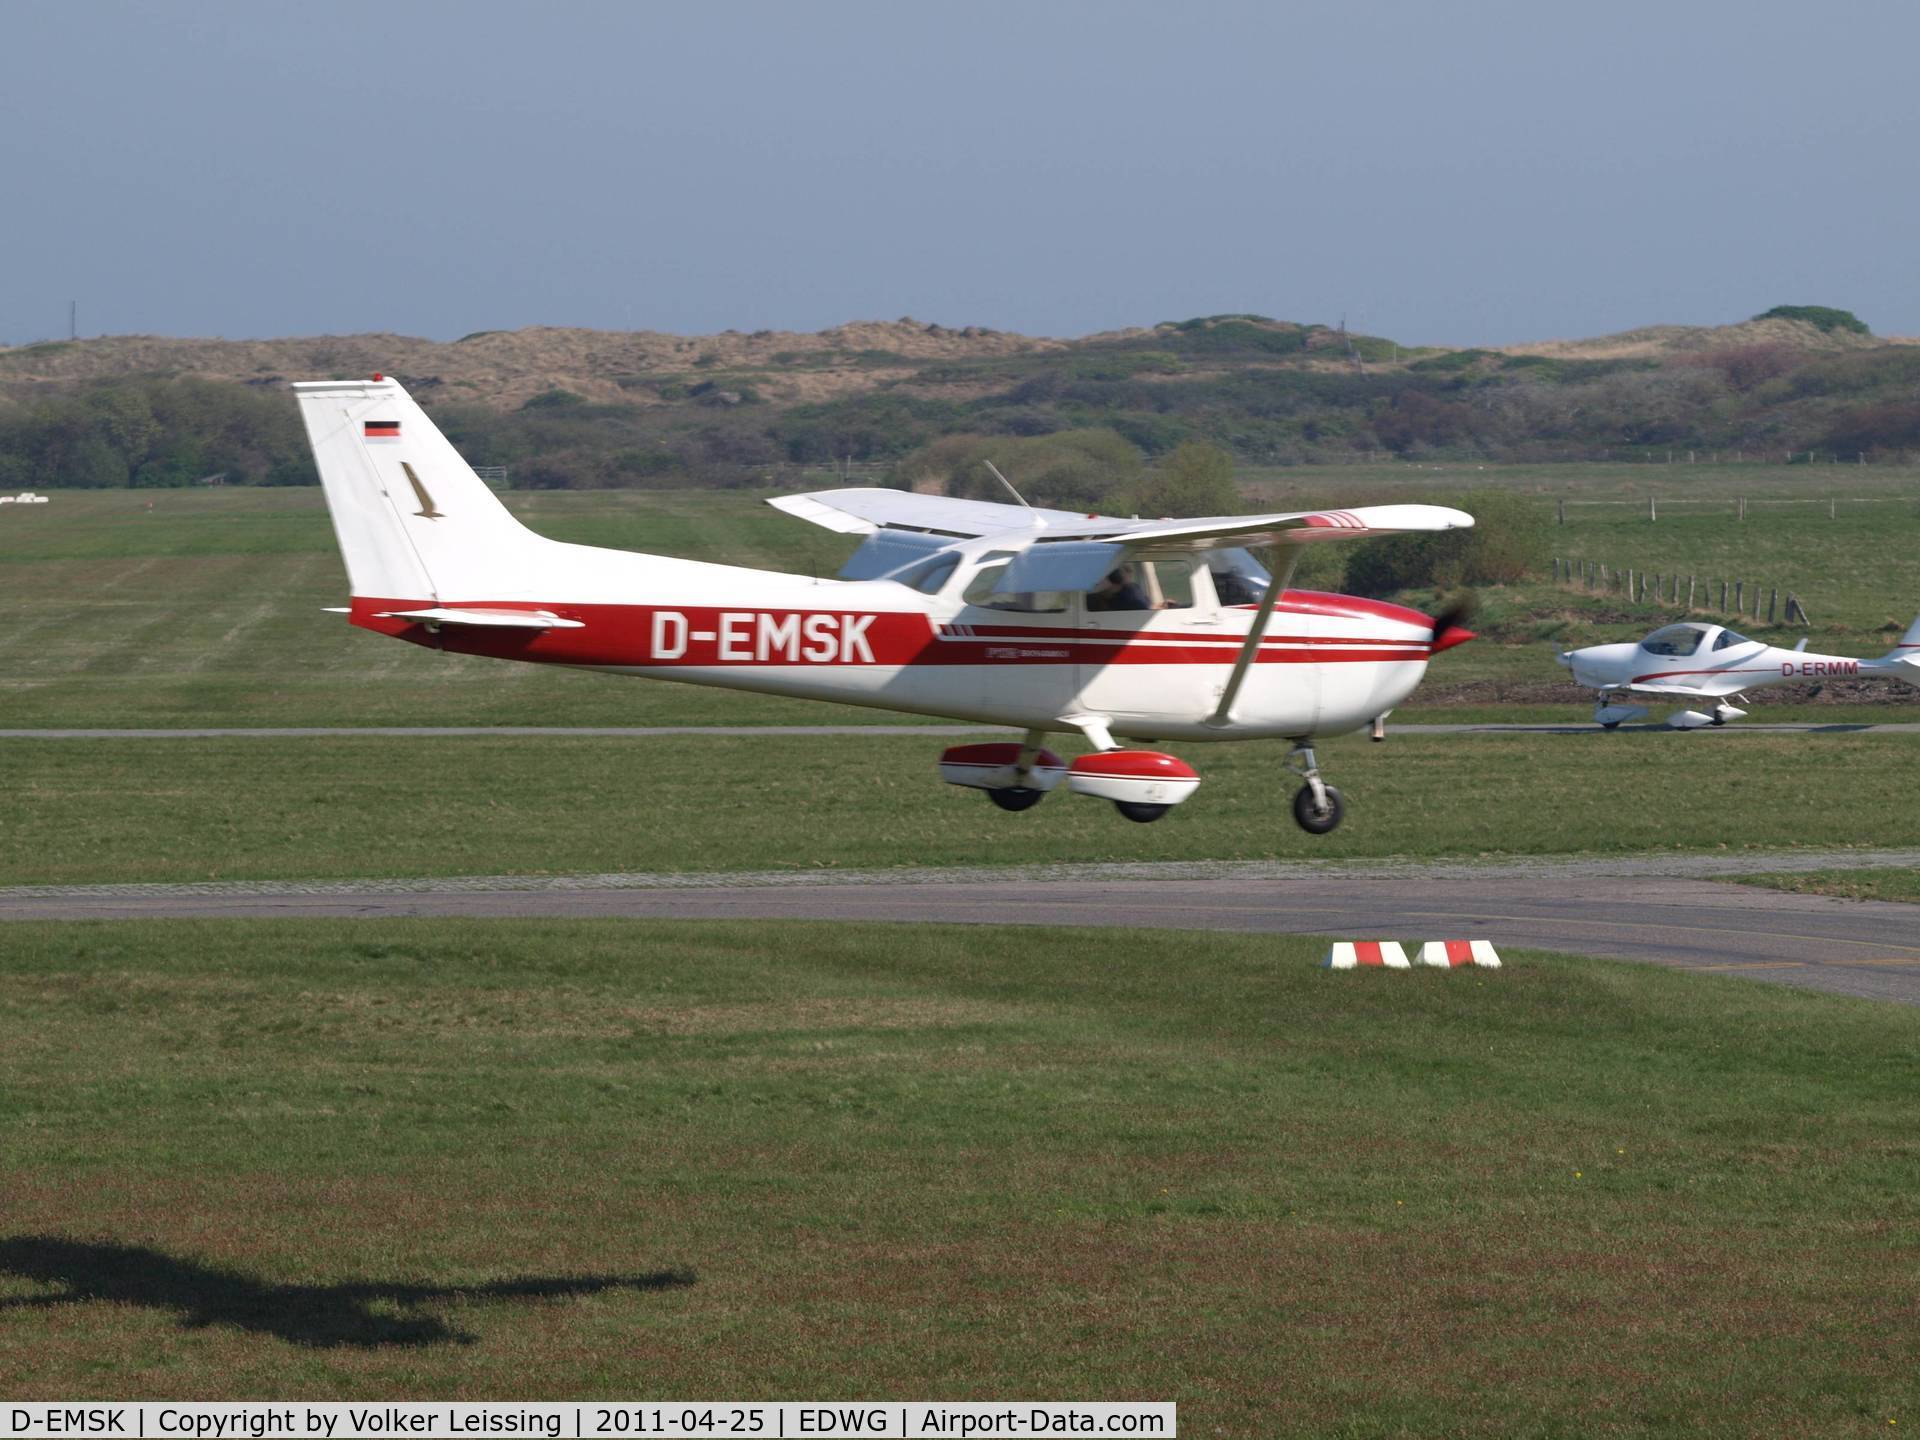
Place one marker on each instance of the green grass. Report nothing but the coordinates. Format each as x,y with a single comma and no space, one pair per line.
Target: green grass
1901,885
1569,1198
208,610
109,811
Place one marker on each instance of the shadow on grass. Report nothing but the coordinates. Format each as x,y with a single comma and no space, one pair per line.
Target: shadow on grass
319,1316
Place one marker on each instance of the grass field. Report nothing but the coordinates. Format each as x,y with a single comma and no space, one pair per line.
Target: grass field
528,1159
89,810
208,609
1847,884
358,1159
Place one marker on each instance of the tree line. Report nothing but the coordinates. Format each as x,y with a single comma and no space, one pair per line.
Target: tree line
1262,391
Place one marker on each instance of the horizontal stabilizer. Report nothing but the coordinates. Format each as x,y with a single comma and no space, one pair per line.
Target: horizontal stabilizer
486,619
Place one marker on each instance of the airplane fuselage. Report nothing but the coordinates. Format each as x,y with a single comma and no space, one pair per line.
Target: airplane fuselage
1326,664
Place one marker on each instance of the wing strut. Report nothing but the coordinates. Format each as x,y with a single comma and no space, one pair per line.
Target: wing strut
1223,714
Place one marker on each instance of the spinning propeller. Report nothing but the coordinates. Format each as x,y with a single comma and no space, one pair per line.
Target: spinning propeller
1449,626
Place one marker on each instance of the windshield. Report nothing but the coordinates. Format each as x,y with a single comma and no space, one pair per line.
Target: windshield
1728,639
1675,640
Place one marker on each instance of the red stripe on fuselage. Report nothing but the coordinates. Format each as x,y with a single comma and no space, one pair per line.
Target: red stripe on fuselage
710,636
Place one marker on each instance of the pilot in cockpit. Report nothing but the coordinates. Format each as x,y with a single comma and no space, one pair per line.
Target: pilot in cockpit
1119,591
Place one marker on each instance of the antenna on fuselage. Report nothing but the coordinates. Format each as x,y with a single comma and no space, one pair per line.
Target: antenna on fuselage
1038,523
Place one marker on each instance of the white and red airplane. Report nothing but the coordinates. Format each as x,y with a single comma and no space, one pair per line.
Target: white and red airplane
1040,619
1692,661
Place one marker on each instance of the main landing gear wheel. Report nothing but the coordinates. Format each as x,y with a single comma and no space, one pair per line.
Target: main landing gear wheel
1310,817
1609,724
1016,797
1140,812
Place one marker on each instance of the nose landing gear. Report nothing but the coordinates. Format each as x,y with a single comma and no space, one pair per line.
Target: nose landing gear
1317,807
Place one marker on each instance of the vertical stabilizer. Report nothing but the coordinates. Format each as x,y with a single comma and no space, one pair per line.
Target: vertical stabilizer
413,520
1909,646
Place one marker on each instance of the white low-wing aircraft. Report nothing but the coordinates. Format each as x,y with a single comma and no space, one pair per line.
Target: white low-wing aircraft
1692,661
1041,619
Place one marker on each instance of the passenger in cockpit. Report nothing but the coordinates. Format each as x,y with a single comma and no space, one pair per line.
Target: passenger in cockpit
1119,591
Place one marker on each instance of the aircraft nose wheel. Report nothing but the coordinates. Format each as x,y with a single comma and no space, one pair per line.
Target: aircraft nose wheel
1140,812
1016,797
1317,808
1310,817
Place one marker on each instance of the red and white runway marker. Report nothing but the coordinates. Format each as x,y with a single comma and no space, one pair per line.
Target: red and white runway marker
1451,953
1362,954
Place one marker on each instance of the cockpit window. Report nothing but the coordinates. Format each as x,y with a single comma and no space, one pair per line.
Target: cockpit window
983,590
1674,640
1238,578
1728,639
1146,585
932,577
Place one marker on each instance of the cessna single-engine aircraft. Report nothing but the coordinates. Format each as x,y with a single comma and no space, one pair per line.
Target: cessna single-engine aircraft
1041,619
1710,662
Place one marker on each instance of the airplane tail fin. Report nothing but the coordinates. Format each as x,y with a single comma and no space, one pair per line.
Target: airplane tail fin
1909,646
413,520
1903,661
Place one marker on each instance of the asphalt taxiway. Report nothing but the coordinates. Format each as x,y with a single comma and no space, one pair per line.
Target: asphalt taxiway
1666,910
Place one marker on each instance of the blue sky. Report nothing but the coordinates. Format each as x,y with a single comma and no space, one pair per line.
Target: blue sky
1438,173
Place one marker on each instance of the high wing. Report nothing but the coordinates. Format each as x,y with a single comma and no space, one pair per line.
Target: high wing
1065,551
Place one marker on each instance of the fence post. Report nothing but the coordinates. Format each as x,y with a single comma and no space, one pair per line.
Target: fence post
1739,597
1689,593
1630,590
1722,606
1563,512
1743,507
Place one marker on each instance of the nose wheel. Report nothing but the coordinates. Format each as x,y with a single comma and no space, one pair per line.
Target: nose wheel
1317,807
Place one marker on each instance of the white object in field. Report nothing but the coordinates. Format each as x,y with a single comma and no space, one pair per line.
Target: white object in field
1698,661
1043,620
1141,777
1364,954
1449,953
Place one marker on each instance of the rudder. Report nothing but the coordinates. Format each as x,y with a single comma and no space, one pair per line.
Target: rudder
413,520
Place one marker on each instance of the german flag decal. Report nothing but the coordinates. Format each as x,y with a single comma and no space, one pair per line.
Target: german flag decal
383,429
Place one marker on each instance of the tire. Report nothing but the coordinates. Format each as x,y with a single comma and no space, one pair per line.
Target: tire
1016,797
1609,724
1140,812
1308,820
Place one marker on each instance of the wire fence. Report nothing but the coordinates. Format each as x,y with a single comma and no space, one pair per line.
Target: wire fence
1736,506
1742,598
